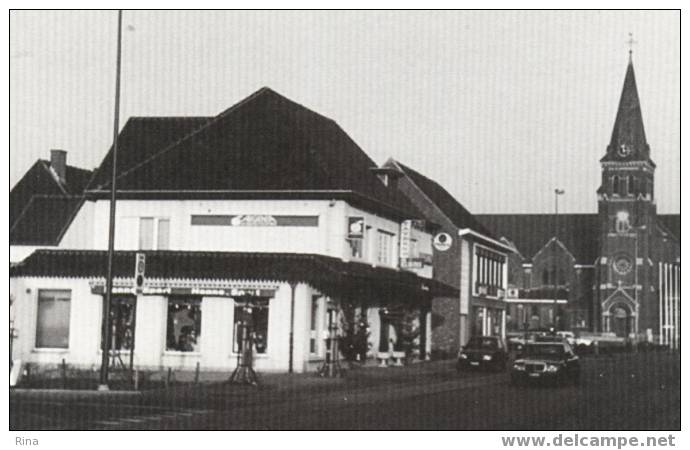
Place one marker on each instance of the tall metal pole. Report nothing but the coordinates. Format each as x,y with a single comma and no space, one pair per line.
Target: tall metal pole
105,334
556,192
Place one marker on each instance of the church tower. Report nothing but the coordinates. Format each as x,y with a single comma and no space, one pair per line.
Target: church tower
627,213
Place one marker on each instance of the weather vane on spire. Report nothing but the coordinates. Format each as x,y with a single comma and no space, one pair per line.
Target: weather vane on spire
630,43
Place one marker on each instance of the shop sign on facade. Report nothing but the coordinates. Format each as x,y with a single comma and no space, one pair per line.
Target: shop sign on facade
355,227
99,289
442,242
410,257
254,220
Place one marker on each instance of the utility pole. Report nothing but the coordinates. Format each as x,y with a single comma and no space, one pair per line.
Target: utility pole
556,192
105,333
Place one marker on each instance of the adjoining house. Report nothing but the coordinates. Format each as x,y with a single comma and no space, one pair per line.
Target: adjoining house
43,203
617,271
465,255
267,214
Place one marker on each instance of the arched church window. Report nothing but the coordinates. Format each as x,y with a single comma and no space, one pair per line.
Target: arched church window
561,277
616,187
631,185
624,186
622,222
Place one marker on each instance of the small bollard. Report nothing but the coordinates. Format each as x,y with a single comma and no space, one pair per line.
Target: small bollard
63,373
196,373
136,379
168,379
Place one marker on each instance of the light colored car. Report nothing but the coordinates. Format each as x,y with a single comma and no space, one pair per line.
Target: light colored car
568,336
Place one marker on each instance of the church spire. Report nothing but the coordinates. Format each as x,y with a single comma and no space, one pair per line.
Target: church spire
628,140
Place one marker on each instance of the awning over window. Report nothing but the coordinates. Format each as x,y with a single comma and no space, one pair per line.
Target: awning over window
330,275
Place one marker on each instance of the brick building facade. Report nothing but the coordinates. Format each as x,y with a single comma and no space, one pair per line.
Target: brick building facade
616,271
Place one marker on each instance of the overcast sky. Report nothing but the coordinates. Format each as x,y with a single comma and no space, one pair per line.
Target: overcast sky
498,107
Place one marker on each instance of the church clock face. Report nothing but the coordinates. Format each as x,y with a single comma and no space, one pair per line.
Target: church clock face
622,265
624,150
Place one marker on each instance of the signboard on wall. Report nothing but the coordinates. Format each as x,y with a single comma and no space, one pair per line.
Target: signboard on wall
410,257
442,242
355,227
99,289
254,220
140,272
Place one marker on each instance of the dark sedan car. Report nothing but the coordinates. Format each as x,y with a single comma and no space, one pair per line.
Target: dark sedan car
486,352
546,362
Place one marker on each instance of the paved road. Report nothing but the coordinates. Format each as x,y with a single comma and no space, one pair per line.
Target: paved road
620,392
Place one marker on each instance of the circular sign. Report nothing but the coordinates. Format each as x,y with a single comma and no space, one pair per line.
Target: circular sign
442,242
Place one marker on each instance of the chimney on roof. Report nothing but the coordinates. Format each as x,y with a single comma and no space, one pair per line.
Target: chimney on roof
58,162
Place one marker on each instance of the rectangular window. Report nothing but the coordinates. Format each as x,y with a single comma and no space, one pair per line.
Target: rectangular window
356,248
163,234
146,233
122,311
385,247
488,272
313,331
251,322
52,324
184,324
154,233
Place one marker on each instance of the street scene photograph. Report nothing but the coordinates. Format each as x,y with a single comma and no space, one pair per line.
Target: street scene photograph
346,220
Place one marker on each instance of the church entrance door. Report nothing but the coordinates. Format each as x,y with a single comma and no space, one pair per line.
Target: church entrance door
620,321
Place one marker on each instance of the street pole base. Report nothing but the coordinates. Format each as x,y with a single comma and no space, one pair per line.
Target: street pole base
244,375
103,388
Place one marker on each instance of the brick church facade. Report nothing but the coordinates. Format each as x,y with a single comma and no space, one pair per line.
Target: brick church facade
617,271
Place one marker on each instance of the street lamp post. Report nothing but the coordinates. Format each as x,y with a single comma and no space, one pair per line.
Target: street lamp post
105,331
556,192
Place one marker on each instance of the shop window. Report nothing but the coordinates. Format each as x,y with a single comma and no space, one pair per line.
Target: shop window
314,317
251,312
184,324
122,311
385,247
52,324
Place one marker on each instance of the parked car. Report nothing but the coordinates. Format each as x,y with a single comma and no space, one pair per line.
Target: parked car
568,336
483,352
546,362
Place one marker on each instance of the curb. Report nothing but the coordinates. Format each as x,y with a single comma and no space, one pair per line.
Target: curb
70,393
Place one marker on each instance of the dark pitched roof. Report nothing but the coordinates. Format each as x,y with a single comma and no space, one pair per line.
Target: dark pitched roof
44,220
452,209
40,196
672,223
265,143
530,232
326,273
140,139
628,129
